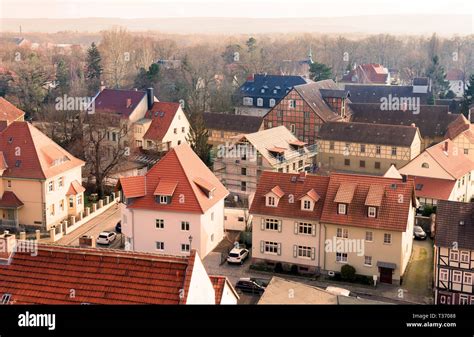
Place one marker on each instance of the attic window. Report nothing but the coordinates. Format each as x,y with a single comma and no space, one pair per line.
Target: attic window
372,212
271,201
425,165
307,205
10,140
6,298
18,163
419,187
341,209
164,199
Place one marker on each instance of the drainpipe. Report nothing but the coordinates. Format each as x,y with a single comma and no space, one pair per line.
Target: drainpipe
324,249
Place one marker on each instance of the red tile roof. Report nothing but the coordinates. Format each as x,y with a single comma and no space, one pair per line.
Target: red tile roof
75,188
97,276
165,187
116,101
455,75
456,127
9,112
10,200
453,161
31,154
182,165
312,194
218,282
392,214
367,73
375,196
277,191
345,193
433,188
288,206
161,114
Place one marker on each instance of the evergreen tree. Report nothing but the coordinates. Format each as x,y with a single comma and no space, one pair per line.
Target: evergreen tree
468,97
319,72
437,74
62,77
198,138
94,69
147,78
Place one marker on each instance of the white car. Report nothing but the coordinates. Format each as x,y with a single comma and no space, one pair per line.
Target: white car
105,238
338,291
238,255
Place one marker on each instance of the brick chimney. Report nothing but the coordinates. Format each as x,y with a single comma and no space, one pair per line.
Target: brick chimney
302,176
7,246
445,148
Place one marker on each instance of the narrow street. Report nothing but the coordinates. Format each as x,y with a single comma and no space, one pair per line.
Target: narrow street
103,222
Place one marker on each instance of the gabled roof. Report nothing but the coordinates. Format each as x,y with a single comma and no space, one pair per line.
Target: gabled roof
231,122
275,139
75,188
367,73
433,121
455,75
311,194
293,189
98,276
458,126
31,154
116,101
453,161
373,93
10,200
312,95
455,223
182,167
392,213
219,283
277,191
367,133
9,112
161,115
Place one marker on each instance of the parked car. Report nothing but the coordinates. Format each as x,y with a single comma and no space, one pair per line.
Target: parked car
248,285
238,255
419,233
106,238
118,227
338,291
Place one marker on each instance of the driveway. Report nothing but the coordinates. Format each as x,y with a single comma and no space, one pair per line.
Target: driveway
417,282
103,222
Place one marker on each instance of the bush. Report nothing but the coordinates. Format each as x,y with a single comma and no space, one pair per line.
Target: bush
348,273
278,268
427,210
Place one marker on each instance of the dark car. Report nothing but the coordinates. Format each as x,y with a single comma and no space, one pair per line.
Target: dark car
248,285
118,227
419,233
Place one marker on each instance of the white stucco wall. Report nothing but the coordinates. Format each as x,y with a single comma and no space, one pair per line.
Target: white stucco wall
200,290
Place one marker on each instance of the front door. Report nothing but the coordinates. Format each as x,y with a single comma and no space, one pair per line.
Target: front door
385,275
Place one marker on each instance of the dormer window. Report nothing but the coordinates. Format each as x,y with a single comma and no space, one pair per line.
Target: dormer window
372,212
271,201
341,209
307,205
164,199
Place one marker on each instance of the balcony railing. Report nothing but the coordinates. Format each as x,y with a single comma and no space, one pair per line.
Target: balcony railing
9,223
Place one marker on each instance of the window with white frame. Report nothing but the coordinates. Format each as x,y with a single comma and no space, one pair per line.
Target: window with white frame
341,257
61,182
341,209
443,274
259,101
463,299
270,247
369,236
454,255
160,223
457,275
292,103
307,204
305,228
248,100
304,252
465,257
271,224
342,233
185,225
387,238
79,199
378,149
71,201
185,247
160,245
368,260
51,186
467,279
271,201
272,102
372,212
164,199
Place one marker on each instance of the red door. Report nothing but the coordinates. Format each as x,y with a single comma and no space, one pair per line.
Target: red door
385,275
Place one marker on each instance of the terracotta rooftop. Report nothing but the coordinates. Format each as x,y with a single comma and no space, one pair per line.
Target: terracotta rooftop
433,188
9,112
161,115
277,191
288,205
392,214
455,224
375,196
345,193
75,188
453,161
182,166
165,187
97,276
31,154
10,200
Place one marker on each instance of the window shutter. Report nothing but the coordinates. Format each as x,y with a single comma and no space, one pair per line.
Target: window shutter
279,248
295,251
262,246
313,253
313,230
262,226
296,228
279,225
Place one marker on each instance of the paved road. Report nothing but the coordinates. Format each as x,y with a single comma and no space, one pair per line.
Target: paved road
103,222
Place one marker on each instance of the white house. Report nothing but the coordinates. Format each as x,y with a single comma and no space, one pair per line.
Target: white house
177,205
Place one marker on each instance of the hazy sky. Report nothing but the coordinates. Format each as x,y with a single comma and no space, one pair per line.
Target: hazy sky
226,8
